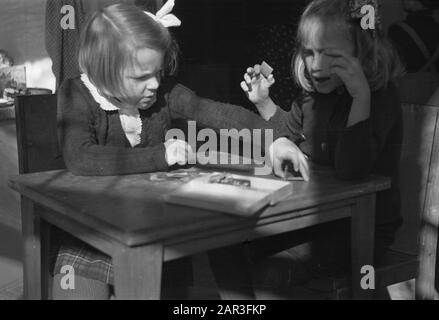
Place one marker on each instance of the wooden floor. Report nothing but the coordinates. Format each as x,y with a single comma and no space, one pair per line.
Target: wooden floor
11,286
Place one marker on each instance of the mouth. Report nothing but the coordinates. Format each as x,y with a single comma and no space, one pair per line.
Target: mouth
147,102
321,80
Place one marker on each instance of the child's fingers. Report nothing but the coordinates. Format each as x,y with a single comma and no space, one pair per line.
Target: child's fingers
304,167
182,154
341,72
342,57
304,170
189,148
267,83
277,168
296,163
292,157
187,154
336,70
177,152
257,69
250,71
247,78
270,80
304,160
191,154
245,87
248,82
339,66
342,62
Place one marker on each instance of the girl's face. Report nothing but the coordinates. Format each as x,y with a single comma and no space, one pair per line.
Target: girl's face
142,79
321,37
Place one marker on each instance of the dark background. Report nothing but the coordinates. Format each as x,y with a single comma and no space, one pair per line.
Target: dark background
220,39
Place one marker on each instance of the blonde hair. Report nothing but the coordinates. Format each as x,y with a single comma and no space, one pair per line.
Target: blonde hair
109,43
381,64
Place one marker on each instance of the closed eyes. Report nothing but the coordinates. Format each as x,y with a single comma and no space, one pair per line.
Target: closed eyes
308,53
145,77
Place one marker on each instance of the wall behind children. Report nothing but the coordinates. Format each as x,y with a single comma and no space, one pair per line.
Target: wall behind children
22,25
22,30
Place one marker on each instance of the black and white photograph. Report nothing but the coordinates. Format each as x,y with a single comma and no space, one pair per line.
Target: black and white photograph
219,155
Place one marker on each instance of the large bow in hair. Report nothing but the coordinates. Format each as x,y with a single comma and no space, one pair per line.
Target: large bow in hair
164,15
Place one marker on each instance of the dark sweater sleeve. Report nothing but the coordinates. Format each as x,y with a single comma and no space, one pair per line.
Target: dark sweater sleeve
289,123
360,145
185,104
81,151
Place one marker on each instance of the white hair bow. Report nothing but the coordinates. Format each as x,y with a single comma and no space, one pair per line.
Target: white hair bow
164,15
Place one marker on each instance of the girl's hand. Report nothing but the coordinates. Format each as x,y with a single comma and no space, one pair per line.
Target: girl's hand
285,150
178,152
256,86
350,71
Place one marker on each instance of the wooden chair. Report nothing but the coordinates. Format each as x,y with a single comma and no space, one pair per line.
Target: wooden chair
416,243
38,150
37,139
414,254
422,130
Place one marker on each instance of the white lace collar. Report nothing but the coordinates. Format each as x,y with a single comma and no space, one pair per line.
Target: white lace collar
102,101
131,123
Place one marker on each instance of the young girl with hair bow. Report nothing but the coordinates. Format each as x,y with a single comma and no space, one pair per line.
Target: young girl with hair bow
113,119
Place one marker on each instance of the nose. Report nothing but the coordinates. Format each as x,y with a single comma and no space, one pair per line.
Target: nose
153,83
317,63
321,64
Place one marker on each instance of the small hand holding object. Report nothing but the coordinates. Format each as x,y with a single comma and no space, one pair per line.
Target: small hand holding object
283,150
257,83
350,71
178,152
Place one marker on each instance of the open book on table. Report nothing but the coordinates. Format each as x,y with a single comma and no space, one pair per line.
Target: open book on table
231,193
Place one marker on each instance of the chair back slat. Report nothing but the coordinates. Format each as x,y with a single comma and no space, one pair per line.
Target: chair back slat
419,130
428,269
419,183
37,138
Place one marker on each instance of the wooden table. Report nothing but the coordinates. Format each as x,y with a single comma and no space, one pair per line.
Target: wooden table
127,218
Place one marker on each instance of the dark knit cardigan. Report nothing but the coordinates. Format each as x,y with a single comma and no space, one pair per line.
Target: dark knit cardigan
317,124
93,142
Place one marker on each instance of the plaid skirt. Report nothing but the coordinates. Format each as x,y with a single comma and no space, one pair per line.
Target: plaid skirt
86,261
91,263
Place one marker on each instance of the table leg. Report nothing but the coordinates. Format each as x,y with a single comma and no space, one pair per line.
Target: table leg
138,272
35,252
362,230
